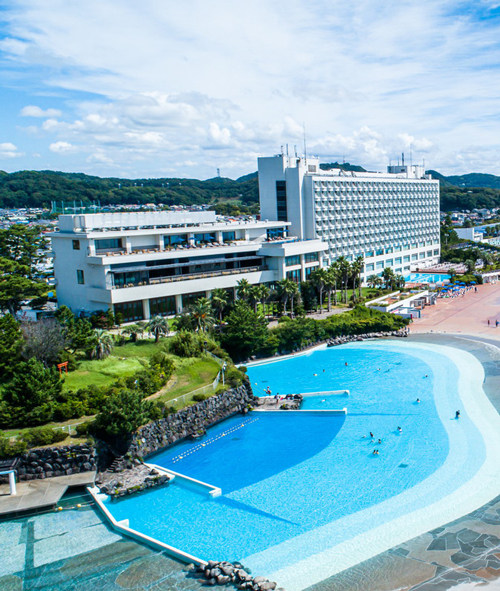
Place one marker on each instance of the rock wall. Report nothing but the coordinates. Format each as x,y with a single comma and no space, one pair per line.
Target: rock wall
56,461
190,420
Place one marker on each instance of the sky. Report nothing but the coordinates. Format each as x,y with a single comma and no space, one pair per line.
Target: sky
159,88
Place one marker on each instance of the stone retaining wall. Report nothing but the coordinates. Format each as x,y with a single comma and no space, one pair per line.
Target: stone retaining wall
190,421
56,461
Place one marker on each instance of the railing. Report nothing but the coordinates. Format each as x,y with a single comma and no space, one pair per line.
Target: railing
201,275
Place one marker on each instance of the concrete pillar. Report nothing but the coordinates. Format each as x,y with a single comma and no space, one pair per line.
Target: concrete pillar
128,245
145,309
160,242
191,239
247,235
208,293
218,235
178,303
12,483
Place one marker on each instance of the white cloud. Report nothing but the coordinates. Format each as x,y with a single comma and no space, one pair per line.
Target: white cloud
9,150
62,148
33,111
369,80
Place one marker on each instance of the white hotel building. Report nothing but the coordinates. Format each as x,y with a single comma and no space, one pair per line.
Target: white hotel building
146,264
390,219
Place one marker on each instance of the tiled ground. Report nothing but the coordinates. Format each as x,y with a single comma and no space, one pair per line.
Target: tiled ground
74,550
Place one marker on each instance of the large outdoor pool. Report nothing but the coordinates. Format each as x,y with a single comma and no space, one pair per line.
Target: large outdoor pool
303,496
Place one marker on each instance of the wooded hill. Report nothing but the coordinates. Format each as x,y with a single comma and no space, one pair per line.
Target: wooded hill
40,188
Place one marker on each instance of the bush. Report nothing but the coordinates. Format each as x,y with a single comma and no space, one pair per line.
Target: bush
43,436
234,377
185,344
9,449
200,397
84,429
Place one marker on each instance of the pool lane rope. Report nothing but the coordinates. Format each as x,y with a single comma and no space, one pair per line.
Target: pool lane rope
211,440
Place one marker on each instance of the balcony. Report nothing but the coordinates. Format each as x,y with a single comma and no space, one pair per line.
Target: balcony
187,277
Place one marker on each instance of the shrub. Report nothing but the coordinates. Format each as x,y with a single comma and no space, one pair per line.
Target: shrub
9,449
43,436
234,377
185,344
84,428
200,397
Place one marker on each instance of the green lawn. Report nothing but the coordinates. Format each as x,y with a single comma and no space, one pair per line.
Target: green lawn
124,361
189,375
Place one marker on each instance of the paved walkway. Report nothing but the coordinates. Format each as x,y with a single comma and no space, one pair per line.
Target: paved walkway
464,315
35,494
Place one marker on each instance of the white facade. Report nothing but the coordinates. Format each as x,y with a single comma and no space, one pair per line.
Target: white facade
143,264
390,219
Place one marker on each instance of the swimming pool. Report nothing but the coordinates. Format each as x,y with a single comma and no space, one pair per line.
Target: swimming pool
303,496
426,278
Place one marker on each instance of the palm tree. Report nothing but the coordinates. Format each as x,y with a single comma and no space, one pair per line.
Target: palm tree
242,291
254,296
201,313
133,331
287,289
319,278
264,293
103,344
357,267
220,299
374,281
158,326
345,271
388,277
400,281
334,272
470,265
293,292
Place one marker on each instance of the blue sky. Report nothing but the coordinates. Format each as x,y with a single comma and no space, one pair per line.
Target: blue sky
164,88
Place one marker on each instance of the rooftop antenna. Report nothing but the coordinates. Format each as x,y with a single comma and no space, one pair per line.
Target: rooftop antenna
402,158
282,149
295,149
287,150
218,173
305,144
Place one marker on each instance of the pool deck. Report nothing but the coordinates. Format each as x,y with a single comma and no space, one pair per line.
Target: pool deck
39,494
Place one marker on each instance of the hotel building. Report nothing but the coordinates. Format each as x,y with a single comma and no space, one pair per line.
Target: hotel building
147,264
391,219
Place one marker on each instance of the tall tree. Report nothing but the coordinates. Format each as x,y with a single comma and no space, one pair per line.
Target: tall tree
16,285
11,345
254,296
25,245
264,293
103,344
245,332
158,326
243,289
388,277
319,278
345,271
357,266
44,340
201,313
220,300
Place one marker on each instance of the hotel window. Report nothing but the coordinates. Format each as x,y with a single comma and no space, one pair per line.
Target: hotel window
414,245
398,260
369,254
309,270
311,257
76,245
190,298
208,237
406,259
369,267
228,236
281,201
379,252
436,252
397,249
80,277
388,250
162,306
414,257
293,260
422,255
130,311
380,265
108,243
294,275
429,253
174,239
389,263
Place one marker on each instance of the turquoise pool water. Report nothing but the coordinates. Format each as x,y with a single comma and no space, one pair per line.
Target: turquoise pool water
297,484
426,278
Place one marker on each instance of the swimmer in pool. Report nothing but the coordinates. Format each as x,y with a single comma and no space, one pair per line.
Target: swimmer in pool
418,400
400,430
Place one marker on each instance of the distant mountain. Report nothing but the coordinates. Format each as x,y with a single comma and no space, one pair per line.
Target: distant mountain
475,179
344,166
38,188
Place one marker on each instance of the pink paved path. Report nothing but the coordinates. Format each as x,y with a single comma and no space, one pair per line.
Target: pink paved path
468,314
